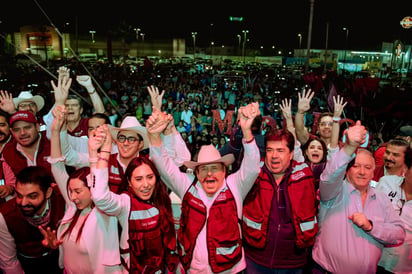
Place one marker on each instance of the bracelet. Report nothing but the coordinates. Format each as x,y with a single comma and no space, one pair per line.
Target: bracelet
94,90
103,159
301,112
93,160
105,151
251,140
336,119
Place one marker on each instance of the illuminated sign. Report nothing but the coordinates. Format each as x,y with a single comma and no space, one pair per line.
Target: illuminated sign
406,22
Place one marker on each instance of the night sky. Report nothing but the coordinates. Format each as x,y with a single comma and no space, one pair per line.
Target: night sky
269,22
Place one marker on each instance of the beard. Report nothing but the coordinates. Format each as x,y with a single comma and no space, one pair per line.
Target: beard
30,210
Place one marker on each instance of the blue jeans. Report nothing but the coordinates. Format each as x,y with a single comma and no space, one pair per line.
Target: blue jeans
254,268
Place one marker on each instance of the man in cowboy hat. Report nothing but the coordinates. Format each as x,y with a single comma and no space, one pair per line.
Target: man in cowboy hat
209,233
26,101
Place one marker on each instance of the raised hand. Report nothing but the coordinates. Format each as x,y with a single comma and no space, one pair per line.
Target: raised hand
155,96
286,107
247,114
339,105
59,113
6,102
85,81
304,100
63,72
98,139
157,122
50,238
61,91
356,135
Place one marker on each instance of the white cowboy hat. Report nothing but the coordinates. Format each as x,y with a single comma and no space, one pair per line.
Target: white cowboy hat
208,154
26,96
130,123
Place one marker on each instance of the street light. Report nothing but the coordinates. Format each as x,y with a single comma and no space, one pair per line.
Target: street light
194,44
142,34
300,40
92,32
245,32
239,38
346,47
137,38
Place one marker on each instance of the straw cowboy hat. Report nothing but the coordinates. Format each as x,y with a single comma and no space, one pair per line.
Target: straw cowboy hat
26,96
130,123
208,154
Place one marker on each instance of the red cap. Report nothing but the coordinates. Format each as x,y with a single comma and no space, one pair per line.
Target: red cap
23,115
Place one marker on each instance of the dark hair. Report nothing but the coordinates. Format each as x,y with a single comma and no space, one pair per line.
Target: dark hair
324,114
6,116
72,96
324,148
160,197
281,134
408,157
257,124
398,142
37,175
100,115
80,174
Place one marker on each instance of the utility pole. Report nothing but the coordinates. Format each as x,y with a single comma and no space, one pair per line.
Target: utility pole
312,4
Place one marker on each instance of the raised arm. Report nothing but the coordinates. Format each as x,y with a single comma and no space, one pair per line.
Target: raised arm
304,100
6,102
156,97
286,107
56,156
97,102
337,112
61,91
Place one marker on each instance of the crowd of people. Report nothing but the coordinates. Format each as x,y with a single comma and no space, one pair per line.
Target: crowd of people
163,170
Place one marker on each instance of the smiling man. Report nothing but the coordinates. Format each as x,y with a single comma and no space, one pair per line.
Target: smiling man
209,234
29,146
36,204
279,213
355,220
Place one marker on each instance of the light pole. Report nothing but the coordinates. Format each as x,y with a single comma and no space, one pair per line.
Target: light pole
194,44
309,37
142,34
245,32
92,32
137,38
346,47
300,40
239,38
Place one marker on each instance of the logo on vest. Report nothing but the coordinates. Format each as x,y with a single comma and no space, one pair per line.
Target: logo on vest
298,175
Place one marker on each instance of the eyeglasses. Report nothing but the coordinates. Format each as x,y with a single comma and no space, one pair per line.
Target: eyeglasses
25,105
130,139
326,124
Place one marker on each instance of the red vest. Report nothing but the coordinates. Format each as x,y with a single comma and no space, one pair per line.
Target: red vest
152,239
27,237
258,205
116,173
81,129
17,161
224,243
